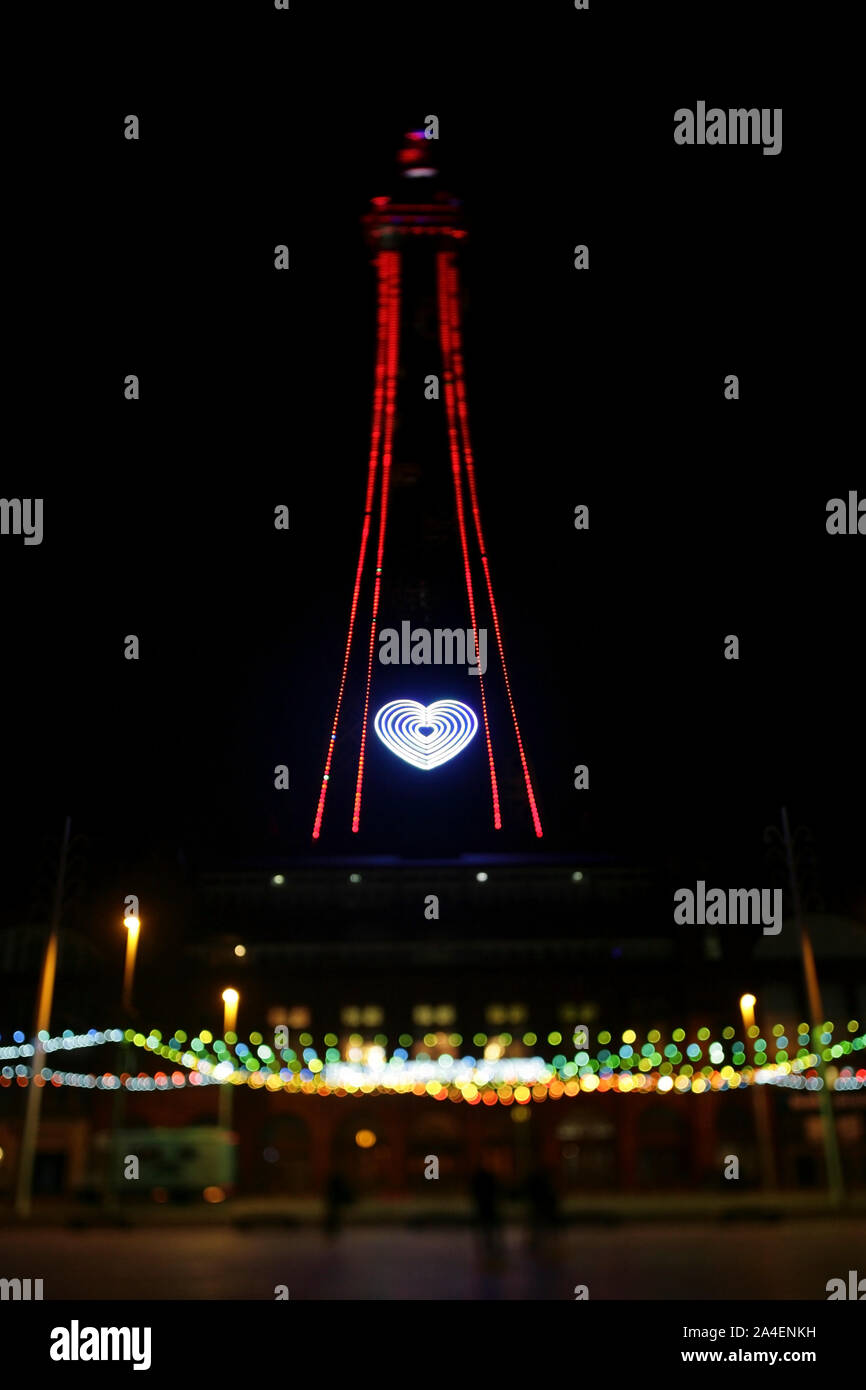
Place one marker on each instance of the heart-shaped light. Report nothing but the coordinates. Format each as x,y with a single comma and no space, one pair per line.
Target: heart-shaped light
450,723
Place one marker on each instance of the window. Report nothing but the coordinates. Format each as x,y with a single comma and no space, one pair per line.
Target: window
367,1016
428,1014
298,1016
506,1013
586,1012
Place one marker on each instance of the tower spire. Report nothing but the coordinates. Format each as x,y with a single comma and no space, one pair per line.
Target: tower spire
417,206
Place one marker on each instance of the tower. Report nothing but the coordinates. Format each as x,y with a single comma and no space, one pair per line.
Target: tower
415,235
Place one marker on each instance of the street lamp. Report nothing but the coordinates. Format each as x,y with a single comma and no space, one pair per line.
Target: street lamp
230,999
111,1200
760,1105
230,1013
133,927
747,1009
45,999
792,849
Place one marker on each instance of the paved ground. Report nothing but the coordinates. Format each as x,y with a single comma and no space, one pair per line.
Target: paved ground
452,1210
638,1261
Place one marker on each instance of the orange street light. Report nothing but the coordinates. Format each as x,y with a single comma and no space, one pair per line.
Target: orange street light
747,1009
133,927
230,999
760,1105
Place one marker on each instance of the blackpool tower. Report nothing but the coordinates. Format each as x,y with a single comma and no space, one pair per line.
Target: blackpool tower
415,234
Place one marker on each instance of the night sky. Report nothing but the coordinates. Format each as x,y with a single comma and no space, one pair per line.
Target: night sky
707,517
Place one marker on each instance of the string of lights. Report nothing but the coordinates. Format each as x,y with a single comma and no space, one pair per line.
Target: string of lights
454,449
393,336
363,1068
450,311
384,266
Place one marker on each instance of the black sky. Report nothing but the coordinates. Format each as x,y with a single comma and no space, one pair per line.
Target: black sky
604,388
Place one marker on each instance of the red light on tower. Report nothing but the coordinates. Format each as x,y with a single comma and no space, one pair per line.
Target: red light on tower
396,223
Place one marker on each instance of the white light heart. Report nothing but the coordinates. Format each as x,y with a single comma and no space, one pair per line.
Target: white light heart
448,725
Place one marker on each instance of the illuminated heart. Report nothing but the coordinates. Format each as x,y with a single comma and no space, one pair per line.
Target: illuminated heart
425,735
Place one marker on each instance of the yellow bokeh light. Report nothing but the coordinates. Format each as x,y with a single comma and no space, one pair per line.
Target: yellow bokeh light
365,1138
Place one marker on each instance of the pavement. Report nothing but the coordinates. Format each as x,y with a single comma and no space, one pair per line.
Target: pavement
695,1261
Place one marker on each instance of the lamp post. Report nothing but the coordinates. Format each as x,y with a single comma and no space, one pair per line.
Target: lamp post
24,1177
133,927
124,1060
792,855
230,999
760,1105
835,1180
747,1010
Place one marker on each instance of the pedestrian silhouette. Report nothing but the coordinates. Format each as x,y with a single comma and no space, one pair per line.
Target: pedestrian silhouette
543,1209
338,1194
485,1191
